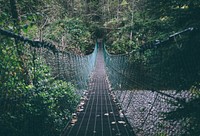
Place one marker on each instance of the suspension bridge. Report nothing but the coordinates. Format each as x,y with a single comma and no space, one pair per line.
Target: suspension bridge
122,94
100,115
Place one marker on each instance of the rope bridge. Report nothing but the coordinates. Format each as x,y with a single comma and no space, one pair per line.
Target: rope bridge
71,67
147,82
64,65
129,96
97,113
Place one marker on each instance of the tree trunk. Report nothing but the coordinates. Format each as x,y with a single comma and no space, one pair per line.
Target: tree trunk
108,8
87,6
16,21
15,16
72,7
118,6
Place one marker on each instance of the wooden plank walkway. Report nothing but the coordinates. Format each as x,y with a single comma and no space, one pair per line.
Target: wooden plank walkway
100,115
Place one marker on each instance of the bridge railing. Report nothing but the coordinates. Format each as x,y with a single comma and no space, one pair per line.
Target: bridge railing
64,65
145,67
71,67
152,80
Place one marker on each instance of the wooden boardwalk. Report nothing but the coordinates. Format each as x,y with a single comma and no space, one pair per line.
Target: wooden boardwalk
98,114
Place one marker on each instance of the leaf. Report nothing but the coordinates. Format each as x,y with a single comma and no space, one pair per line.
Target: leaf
124,3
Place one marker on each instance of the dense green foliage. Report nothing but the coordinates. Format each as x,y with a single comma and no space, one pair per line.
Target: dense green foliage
74,34
143,21
184,71
174,66
33,103
29,96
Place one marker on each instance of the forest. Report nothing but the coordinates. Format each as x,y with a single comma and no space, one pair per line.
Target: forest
33,101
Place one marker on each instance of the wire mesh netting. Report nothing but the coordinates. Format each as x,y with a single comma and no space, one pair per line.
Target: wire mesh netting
148,84
71,67
36,97
98,114
64,65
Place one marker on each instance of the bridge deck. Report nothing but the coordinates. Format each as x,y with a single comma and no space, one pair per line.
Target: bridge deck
100,115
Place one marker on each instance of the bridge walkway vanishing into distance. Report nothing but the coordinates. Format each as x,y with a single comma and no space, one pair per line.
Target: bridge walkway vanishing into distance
125,94
100,115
